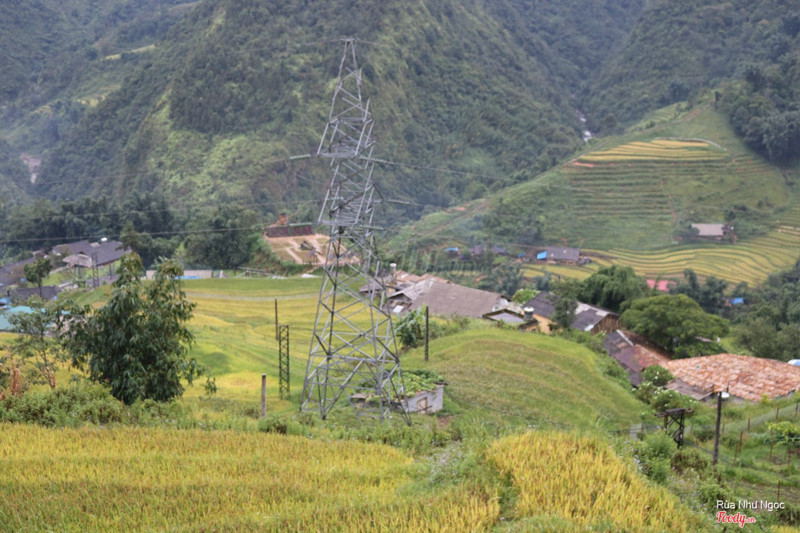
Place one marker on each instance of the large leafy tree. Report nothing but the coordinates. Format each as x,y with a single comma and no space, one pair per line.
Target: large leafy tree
224,238
673,321
138,342
613,287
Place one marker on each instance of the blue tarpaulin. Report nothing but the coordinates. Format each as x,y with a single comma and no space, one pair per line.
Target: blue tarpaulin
541,255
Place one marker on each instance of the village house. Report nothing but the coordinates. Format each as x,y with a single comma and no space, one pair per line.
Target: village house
88,254
444,298
631,354
587,317
713,232
742,376
559,255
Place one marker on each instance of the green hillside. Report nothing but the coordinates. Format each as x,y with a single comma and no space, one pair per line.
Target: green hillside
637,191
234,330
678,48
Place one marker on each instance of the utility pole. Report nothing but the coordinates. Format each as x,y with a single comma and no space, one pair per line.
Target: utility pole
716,431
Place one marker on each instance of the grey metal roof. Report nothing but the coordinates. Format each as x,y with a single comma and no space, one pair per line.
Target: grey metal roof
451,299
562,254
586,316
107,251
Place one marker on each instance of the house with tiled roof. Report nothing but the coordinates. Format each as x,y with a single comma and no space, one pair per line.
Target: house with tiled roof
631,355
742,376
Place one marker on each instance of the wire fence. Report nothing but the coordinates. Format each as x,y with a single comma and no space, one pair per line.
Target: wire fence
762,452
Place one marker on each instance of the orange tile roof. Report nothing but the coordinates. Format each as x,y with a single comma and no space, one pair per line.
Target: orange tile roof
646,357
745,377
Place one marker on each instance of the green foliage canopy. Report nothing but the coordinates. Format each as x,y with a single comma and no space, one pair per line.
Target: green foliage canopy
137,342
673,320
612,287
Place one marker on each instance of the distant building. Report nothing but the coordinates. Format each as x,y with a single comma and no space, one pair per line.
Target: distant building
282,228
661,285
711,231
84,253
631,355
587,317
559,255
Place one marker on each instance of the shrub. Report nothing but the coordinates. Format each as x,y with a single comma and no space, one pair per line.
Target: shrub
657,375
74,405
689,460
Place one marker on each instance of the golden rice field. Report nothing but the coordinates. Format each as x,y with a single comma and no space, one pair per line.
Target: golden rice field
134,479
658,149
578,482
751,261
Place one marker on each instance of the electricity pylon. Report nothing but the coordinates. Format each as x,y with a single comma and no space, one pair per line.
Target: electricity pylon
353,356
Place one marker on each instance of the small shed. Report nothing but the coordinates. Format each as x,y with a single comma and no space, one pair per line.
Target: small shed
427,402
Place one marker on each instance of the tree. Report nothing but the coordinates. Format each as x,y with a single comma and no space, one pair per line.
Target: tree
672,321
37,271
566,293
410,328
613,287
137,342
224,239
710,295
34,350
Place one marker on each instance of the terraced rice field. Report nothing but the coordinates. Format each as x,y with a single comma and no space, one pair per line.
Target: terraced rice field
751,261
658,149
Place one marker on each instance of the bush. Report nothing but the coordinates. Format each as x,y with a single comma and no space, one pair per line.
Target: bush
654,453
68,406
657,375
687,460
669,399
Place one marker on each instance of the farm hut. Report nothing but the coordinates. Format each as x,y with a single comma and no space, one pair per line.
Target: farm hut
744,377
714,232
559,255
49,292
282,228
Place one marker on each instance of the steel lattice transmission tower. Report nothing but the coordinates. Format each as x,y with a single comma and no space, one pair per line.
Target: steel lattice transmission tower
353,355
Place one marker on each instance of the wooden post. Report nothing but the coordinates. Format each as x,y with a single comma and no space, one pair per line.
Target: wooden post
771,444
738,446
748,424
427,336
777,412
779,491
716,432
264,395
277,335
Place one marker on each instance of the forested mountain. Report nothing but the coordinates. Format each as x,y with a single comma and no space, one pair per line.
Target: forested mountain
203,103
